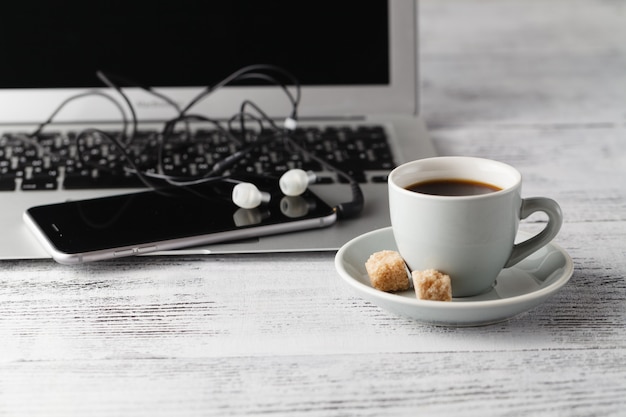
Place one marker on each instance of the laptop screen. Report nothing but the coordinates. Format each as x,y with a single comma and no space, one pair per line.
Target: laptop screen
353,58
192,43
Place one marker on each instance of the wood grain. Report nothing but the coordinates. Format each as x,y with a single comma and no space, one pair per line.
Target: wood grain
536,382
511,62
538,84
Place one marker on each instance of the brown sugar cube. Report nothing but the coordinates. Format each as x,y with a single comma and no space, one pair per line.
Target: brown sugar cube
387,271
432,285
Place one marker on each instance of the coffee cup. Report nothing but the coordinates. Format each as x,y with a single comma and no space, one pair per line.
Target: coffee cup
460,215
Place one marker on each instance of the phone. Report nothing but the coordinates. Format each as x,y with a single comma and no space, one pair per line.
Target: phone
170,218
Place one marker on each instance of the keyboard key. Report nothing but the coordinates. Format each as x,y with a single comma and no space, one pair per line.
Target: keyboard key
96,162
82,182
39,184
358,176
324,179
7,184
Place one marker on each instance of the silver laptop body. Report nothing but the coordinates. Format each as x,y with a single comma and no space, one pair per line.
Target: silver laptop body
393,105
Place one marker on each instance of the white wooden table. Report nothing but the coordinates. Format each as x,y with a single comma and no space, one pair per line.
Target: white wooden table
538,84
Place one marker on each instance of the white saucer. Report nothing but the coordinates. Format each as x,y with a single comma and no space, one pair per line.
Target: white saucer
517,289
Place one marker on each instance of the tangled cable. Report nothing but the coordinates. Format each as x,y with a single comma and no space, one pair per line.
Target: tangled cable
249,112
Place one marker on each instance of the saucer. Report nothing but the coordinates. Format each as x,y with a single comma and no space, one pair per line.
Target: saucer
517,289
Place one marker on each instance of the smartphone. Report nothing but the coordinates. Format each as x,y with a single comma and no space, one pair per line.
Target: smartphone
170,218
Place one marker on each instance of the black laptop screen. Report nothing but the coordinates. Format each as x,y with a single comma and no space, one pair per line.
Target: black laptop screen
190,43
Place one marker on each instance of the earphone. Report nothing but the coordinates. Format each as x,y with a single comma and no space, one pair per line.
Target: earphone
247,196
295,181
292,183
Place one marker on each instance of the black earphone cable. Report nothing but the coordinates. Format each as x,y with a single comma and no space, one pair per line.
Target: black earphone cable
241,72
345,210
68,100
127,157
217,173
127,138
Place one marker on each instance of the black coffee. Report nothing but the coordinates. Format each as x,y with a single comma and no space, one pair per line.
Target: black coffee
452,187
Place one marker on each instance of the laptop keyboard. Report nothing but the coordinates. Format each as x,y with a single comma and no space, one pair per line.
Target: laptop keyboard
56,160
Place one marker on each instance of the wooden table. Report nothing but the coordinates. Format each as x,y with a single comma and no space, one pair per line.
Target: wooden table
538,84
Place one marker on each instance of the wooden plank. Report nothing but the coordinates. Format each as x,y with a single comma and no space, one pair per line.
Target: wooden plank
537,84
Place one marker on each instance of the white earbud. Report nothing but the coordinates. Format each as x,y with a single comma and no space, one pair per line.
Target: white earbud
292,183
295,181
246,195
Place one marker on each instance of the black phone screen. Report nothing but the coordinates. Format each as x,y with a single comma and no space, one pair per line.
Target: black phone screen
163,215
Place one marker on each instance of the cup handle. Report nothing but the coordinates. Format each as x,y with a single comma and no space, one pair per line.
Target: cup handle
555,219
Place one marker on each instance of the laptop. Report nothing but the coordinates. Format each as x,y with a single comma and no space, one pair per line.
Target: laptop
357,63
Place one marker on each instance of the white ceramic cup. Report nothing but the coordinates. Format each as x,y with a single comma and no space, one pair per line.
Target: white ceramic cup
471,238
